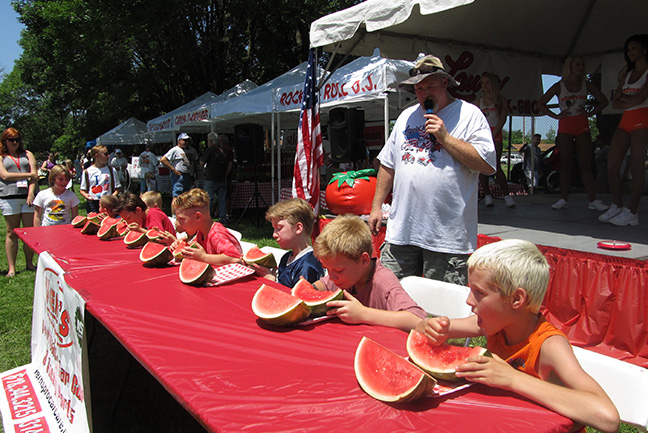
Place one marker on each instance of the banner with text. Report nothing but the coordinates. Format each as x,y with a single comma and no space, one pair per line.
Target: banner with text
49,395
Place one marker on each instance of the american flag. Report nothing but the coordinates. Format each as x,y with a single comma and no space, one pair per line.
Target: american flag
309,154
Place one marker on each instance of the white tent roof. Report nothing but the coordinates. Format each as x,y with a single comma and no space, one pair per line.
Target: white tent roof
551,29
196,110
130,132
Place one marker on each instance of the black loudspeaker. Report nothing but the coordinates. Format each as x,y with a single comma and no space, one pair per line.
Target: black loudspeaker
249,143
346,126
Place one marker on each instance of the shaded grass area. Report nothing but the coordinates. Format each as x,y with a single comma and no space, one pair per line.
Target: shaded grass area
143,404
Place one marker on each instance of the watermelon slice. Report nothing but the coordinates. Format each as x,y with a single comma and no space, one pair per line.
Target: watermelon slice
195,273
95,217
177,252
153,235
90,228
122,228
155,255
135,239
388,377
439,361
315,299
79,221
110,221
277,307
256,256
107,230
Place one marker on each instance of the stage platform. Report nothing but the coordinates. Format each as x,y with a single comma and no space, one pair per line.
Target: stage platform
575,228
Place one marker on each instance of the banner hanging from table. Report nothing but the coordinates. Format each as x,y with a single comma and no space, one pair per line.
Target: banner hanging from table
49,395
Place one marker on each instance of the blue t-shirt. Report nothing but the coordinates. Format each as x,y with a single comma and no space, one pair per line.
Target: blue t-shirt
305,265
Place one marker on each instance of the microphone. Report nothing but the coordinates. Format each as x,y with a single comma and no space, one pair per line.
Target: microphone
429,109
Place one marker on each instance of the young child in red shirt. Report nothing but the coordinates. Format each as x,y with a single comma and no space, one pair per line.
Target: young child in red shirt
140,217
508,280
215,244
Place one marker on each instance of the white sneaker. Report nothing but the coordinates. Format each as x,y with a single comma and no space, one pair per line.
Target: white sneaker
613,211
625,218
597,205
488,200
560,204
509,201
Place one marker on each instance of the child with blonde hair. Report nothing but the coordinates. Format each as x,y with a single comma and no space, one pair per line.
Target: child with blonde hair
508,280
292,223
57,204
153,199
215,244
372,293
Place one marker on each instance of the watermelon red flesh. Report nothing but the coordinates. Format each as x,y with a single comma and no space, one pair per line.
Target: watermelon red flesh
110,221
135,239
386,376
195,273
257,256
154,255
79,221
315,299
439,361
107,231
153,234
277,307
122,228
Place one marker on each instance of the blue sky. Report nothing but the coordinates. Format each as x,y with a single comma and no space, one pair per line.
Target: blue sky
9,35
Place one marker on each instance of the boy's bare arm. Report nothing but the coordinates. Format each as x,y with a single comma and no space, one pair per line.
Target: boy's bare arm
197,252
439,329
351,310
565,387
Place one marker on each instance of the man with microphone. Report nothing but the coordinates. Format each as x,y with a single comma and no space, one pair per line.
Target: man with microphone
432,161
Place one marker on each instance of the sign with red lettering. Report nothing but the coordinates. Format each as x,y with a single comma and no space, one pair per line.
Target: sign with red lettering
48,395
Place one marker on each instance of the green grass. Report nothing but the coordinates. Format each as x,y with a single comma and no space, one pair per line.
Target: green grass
142,393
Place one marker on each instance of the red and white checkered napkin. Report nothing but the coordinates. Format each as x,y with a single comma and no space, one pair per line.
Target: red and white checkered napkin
226,273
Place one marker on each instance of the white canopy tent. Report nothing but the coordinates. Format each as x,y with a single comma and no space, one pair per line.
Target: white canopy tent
544,30
129,133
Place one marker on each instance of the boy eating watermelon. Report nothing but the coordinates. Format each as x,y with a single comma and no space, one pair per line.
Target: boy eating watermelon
214,243
372,293
508,280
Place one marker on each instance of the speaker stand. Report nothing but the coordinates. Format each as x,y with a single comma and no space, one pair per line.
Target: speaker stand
256,196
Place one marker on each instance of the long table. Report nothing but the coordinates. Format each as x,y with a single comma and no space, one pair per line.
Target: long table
234,373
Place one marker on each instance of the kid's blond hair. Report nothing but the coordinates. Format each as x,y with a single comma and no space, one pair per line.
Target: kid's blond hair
346,235
152,199
193,199
514,263
56,170
294,210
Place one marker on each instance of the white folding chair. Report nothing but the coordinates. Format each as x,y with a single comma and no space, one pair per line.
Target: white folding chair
438,297
276,252
626,384
236,234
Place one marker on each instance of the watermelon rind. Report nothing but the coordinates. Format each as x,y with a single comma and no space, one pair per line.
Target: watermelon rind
439,361
177,252
256,256
153,235
135,239
90,228
388,377
277,307
155,255
107,231
315,299
195,273
79,221
94,217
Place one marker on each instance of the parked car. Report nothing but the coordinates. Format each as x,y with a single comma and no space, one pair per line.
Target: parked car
516,158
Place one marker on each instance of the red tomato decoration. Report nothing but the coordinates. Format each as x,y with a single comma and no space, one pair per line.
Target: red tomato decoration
351,192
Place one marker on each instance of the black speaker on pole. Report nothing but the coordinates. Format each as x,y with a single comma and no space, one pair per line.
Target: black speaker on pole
346,126
249,143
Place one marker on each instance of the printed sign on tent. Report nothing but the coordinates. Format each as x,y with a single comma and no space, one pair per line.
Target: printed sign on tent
48,395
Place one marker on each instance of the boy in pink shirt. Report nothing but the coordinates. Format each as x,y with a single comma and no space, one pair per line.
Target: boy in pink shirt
372,293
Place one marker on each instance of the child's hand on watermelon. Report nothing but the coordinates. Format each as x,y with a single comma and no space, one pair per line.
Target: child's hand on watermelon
167,238
489,370
349,310
435,329
134,227
195,252
262,271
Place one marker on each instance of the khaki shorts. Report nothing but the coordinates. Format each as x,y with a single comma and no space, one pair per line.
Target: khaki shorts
406,260
15,206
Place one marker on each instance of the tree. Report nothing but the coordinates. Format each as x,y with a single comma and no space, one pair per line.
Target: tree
550,136
93,63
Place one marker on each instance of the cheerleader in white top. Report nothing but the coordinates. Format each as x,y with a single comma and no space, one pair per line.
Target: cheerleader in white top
573,127
495,108
632,133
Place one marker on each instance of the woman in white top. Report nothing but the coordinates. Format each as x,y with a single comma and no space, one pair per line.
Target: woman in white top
632,132
573,127
495,108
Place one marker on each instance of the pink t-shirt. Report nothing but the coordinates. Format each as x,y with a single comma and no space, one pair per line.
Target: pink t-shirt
220,241
383,292
157,218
